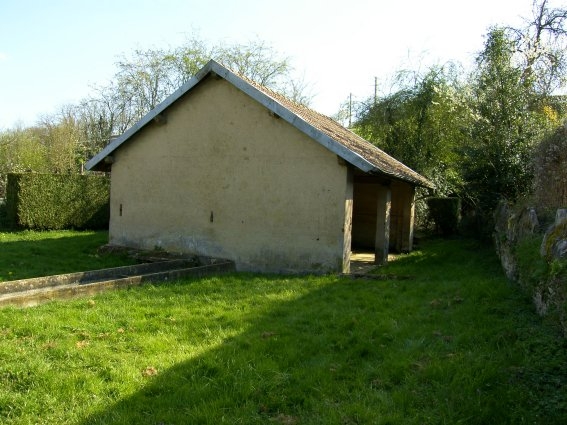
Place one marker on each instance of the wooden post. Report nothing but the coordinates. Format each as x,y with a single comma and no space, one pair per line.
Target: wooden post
408,214
347,226
382,240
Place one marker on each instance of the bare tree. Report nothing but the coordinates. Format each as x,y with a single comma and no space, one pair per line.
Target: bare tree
147,77
261,63
256,61
63,141
540,47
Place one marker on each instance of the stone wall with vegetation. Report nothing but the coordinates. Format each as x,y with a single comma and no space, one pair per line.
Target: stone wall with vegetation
533,252
531,236
550,170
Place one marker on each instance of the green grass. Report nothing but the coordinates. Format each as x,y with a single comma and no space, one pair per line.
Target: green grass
453,344
27,254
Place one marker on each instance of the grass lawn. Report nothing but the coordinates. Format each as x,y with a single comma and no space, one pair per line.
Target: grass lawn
27,254
452,344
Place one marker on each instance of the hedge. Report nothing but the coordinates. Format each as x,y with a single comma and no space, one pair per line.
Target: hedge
445,213
56,201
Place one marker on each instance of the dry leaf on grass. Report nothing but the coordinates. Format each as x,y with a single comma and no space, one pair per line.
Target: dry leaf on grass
82,344
49,345
285,419
149,371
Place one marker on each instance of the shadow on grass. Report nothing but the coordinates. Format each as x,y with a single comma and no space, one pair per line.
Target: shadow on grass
345,352
309,360
33,254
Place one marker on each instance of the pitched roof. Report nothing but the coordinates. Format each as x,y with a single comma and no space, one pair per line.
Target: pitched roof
341,141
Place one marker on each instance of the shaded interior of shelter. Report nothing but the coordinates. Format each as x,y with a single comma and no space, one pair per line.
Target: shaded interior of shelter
382,219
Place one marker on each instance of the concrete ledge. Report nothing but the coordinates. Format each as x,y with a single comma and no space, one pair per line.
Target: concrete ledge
30,292
92,275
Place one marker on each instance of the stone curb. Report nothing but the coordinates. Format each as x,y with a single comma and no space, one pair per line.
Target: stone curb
30,292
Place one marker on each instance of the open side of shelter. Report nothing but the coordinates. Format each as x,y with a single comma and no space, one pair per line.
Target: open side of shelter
229,169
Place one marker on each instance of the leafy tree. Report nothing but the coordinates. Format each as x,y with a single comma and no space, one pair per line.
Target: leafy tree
421,124
477,139
256,61
21,150
56,145
64,143
190,57
261,63
496,163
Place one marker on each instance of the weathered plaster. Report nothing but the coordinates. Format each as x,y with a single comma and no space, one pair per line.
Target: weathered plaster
226,178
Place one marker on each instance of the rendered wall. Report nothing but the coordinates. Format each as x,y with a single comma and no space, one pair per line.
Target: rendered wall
225,178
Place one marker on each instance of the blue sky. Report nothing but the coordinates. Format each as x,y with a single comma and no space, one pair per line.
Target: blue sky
52,52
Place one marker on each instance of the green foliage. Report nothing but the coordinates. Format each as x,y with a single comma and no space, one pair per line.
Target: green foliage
497,162
63,141
292,349
544,280
532,268
445,213
476,139
56,146
21,150
421,124
3,215
51,201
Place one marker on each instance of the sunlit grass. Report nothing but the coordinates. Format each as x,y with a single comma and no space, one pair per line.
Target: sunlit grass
27,254
454,343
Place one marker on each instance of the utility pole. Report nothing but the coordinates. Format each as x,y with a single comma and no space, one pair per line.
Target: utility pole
375,90
350,111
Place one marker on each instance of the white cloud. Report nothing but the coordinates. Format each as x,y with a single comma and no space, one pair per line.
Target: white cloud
3,56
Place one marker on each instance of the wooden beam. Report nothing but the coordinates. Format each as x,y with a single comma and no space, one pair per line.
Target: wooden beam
382,240
160,119
408,214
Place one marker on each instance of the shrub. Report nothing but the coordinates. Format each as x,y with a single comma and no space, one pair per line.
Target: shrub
3,213
445,213
54,201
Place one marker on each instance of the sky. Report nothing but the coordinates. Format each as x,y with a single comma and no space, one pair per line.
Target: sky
54,52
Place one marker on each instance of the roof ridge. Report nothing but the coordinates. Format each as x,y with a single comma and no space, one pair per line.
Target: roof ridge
298,107
322,128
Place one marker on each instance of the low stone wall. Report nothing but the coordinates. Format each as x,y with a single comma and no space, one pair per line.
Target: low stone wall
535,257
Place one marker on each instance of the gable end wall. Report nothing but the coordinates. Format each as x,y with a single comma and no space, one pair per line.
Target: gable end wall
225,178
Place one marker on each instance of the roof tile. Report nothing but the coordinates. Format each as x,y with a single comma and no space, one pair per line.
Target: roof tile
383,162
339,139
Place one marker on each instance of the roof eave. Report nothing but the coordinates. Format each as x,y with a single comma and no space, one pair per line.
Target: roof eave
275,107
423,182
295,120
358,161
